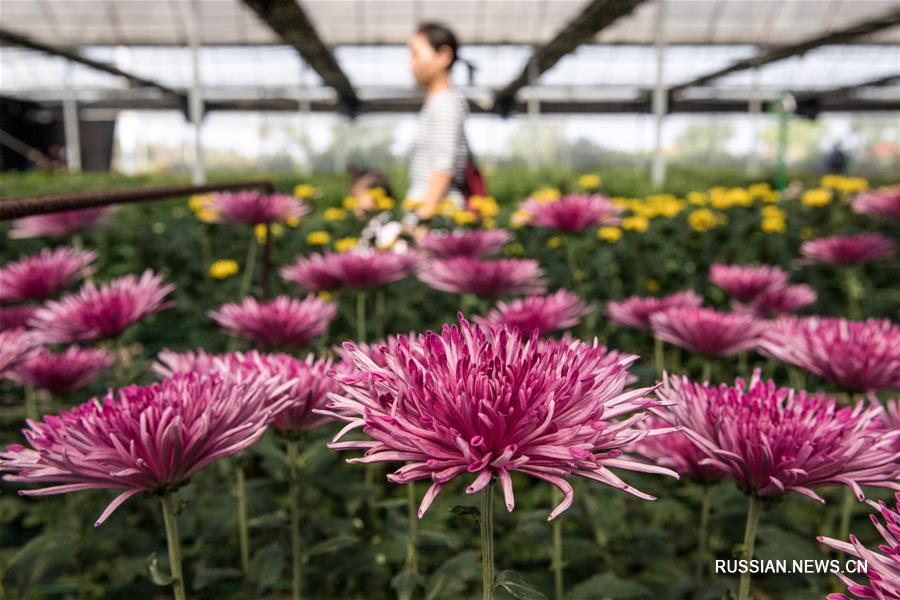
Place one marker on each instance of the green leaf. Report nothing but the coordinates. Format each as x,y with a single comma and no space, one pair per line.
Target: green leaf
332,545
157,574
406,582
608,587
516,585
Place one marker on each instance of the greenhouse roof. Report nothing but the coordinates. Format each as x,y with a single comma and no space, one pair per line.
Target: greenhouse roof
348,54
373,22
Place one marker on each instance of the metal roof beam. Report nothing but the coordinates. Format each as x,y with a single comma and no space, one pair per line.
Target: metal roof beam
781,52
595,17
16,39
288,19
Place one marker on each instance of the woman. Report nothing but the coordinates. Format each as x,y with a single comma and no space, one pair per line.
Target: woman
440,150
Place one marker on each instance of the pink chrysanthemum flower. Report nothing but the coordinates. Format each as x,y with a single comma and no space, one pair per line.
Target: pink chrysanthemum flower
882,565
773,440
890,420
305,384
477,243
282,321
15,344
849,249
14,317
59,224
777,301
313,273
254,208
571,214
141,439
857,356
485,278
169,363
36,277
676,451
101,312
635,312
365,270
745,282
883,202
707,331
543,314
60,373
488,402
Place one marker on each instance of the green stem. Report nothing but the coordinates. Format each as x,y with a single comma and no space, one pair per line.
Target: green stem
853,289
487,542
847,505
573,265
707,370
379,313
412,559
249,264
267,263
360,316
292,457
31,407
659,356
743,364
243,528
753,512
703,535
174,545
556,561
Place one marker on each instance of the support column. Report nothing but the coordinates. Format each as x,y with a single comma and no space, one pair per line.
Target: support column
191,15
534,114
70,124
658,171
755,111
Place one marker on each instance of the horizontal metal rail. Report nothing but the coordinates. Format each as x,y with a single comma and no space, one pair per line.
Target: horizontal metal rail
15,207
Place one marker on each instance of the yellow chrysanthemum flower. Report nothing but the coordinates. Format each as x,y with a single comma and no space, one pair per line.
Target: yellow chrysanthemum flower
292,221
651,285
350,202
260,231
334,214
325,295
199,202
305,191
609,234
410,204
345,243
639,224
589,181
555,242
773,212
383,202
463,217
547,194
816,198
697,198
318,238
223,269
703,219
485,205
773,225
207,216
519,218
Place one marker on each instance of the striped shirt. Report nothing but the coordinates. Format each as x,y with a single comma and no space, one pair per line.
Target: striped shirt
440,144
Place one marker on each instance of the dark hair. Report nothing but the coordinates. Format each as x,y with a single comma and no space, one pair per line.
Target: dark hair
375,179
439,35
